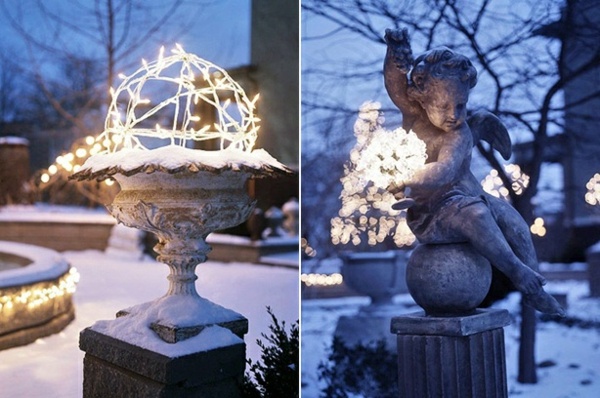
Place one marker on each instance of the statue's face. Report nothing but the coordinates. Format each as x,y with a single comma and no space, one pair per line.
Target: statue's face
446,103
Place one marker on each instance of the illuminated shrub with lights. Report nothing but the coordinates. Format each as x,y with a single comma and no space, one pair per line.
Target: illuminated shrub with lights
53,184
379,158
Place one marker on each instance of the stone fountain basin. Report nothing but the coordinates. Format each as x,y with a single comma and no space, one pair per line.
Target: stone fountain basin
34,298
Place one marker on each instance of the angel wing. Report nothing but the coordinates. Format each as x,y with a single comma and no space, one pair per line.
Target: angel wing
486,126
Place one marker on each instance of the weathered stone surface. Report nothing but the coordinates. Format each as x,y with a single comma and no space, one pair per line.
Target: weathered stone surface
452,357
115,368
33,332
419,323
448,279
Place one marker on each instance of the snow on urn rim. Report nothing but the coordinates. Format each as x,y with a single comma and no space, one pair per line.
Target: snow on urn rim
197,83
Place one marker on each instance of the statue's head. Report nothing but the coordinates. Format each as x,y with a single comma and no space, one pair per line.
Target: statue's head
440,81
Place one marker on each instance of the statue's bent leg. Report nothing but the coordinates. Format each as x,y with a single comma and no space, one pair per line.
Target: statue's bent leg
484,233
515,231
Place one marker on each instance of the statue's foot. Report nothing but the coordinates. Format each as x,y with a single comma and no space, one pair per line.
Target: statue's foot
544,302
527,281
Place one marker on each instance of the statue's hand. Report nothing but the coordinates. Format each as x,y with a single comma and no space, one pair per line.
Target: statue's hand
401,192
399,51
397,189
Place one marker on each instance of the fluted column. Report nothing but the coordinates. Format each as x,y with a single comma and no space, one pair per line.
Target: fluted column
452,356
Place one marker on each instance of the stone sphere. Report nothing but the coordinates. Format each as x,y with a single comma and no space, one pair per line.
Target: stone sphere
448,279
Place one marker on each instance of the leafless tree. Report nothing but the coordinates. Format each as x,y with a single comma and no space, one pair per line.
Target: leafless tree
522,73
89,42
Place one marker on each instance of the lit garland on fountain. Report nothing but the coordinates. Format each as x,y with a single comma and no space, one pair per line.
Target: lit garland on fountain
493,184
30,297
592,196
379,158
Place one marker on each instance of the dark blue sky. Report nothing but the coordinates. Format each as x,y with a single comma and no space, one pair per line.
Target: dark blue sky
219,30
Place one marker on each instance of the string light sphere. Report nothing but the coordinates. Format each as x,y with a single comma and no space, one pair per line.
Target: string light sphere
179,85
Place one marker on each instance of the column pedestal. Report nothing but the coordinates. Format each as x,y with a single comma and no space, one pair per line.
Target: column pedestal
116,368
460,356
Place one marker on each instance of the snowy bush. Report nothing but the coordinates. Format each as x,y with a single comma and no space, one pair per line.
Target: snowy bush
277,372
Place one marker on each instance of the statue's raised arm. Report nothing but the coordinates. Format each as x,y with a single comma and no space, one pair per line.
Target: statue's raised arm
398,62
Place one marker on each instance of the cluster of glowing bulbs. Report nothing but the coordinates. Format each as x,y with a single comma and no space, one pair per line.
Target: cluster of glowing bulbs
538,228
493,184
322,279
379,158
592,196
72,161
32,298
307,249
183,82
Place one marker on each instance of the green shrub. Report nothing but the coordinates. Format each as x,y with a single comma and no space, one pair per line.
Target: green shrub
368,371
276,374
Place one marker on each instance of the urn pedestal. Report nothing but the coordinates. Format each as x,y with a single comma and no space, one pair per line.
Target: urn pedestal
452,348
180,344
461,356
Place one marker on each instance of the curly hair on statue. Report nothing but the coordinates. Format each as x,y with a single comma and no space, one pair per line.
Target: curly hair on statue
440,64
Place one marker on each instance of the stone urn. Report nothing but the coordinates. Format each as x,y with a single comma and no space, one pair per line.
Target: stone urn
182,209
181,205
379,275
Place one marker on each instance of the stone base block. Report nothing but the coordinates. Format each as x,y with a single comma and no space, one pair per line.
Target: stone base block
114,368
452,356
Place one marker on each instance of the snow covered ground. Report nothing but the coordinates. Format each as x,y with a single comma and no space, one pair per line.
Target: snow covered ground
569,356
52,367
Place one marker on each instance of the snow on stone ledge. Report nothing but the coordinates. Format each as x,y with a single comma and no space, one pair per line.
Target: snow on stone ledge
46,264
174,157
136,331
41,212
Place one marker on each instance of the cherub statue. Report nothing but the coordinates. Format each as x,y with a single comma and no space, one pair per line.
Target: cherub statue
446,204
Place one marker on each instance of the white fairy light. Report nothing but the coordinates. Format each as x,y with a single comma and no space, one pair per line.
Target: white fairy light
592,196
538,228
30,297
379,158
313,279
492,183
179,72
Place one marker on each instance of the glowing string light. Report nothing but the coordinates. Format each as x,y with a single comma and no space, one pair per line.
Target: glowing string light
236,125
322,279
592,196
30,297
538,228
379,158
493,184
